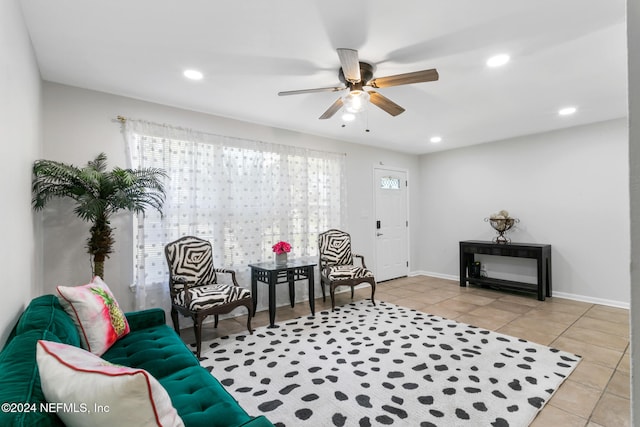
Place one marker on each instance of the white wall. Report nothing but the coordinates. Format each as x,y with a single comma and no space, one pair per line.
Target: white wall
78,124
20,145
569,188
633,43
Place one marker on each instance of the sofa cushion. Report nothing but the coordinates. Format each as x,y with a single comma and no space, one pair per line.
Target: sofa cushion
96,313
101,393
46,313
157,349
201,400
20,382
143,319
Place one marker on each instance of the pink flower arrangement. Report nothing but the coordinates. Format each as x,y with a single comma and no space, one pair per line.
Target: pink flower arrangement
281,248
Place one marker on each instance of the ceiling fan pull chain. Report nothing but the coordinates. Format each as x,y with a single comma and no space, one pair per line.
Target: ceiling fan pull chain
367,120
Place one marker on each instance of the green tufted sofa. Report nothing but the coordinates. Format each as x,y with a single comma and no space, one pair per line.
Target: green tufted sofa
151,345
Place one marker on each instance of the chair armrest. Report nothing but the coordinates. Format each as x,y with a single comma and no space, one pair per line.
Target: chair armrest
184,285
180,280
324,264
361,259
145,318
227,271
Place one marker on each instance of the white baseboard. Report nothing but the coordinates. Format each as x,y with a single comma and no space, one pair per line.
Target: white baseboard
436,275
556,294
583,298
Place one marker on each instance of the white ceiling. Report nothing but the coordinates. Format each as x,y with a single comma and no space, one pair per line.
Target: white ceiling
567,52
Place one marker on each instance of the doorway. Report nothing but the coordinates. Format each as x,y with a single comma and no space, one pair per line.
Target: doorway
391,224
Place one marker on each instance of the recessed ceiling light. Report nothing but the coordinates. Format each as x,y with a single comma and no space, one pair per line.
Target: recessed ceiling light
436,139
567,111
498,60
193,74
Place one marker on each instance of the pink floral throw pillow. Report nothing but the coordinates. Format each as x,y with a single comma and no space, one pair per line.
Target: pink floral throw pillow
89,391
96,313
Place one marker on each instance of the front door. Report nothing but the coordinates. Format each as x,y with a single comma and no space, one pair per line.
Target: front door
391,224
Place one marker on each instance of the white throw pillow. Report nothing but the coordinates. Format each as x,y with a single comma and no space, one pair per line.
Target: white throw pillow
96,313
86,390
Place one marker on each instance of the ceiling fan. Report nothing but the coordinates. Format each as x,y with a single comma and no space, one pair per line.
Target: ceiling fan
356,75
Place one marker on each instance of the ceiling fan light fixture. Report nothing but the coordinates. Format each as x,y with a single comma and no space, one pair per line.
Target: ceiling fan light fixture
354,75
356,101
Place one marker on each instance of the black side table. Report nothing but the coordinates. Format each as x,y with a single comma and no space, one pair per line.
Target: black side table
273,274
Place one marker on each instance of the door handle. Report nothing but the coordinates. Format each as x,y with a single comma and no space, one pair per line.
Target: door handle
379,234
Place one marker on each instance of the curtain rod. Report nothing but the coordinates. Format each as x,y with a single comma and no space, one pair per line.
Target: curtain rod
123,119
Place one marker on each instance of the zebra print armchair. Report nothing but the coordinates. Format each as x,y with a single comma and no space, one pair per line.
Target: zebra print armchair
193,284
337,267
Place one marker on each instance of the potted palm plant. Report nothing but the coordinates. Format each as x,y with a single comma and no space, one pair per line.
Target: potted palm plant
98,194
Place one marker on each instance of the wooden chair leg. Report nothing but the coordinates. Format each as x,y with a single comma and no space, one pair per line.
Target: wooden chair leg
175,320
352,288
373,292
332,291
324,296
215,323
197,329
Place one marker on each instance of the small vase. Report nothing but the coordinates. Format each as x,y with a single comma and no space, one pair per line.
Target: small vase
281,259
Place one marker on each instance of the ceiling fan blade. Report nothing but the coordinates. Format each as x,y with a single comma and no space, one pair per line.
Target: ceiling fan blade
320,89
405,79
332,110
350,64
385,103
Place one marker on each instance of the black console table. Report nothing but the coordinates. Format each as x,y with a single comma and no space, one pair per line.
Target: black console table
541,253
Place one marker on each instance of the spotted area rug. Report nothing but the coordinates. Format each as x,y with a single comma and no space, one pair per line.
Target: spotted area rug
365,365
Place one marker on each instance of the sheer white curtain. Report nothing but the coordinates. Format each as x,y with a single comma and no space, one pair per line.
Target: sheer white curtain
242,195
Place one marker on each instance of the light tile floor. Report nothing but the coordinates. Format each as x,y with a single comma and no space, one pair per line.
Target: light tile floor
596,394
